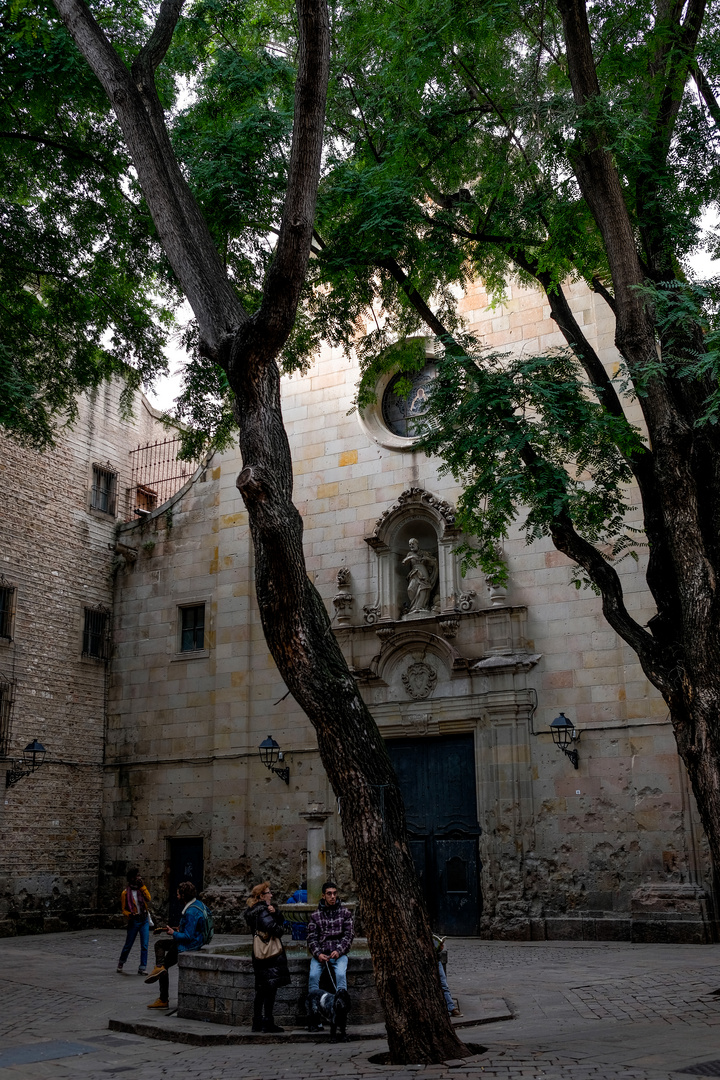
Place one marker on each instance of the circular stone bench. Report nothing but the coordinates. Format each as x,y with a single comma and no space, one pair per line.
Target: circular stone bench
218,984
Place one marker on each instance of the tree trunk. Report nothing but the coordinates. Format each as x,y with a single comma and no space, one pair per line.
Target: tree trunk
294,618
299,635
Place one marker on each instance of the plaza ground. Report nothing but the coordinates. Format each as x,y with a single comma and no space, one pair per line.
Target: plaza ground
580,1010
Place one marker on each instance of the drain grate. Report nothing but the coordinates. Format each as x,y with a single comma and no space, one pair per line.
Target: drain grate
705,1068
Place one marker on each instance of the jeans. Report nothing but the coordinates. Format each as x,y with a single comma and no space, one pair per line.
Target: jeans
339,967
445,988
137,924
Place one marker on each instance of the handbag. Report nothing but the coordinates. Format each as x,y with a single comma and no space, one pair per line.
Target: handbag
265,947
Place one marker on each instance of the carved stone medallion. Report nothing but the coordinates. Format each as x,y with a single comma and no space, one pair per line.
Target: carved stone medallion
419,680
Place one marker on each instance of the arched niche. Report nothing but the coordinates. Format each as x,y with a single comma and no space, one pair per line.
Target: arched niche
417,515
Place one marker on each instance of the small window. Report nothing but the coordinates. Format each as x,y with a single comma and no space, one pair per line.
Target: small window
192,628
7,597
104,489
95,633
6,702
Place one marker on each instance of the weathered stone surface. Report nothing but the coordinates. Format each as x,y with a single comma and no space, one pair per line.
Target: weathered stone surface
220,987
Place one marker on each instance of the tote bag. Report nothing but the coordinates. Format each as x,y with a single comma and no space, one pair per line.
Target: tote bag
265,947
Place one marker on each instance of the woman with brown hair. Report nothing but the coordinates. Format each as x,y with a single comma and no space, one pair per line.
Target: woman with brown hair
268,956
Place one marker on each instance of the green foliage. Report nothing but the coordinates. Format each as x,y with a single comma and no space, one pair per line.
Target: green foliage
81,276
524,432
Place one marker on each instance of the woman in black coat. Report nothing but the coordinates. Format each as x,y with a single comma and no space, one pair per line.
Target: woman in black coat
266,922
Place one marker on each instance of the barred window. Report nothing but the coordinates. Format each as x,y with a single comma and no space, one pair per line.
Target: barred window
104,489
6,702
95,633
192,628
7,596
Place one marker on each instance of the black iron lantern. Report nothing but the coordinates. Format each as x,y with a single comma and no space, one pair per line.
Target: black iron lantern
270,752
34,755
564,734
32,758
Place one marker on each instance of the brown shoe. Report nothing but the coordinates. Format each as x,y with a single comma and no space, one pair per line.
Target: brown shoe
155,974
159,1004
456,1012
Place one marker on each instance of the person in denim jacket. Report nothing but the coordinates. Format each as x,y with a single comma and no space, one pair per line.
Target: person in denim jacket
330,935
189,936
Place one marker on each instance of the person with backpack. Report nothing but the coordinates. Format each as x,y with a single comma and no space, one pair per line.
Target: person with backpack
194,931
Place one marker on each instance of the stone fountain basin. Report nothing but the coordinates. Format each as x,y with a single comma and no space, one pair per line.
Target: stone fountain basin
217,984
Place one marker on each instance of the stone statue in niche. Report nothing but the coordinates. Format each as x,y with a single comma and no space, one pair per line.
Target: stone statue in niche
422,578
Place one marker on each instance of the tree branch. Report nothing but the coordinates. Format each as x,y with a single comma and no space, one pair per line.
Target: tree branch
605,577
181,227
706,92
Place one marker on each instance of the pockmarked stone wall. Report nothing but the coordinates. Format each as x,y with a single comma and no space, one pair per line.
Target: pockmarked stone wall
613,849
56,559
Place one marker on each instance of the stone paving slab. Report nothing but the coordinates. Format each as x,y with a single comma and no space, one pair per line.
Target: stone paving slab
171,1028
64,987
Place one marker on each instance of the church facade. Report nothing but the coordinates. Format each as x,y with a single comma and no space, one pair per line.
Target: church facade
512,836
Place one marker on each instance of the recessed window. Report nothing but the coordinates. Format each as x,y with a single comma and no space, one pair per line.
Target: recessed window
6,701
192,628
146,500
95,633
7,598
103,496
401,412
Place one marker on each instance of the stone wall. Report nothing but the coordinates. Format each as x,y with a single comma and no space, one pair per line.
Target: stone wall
564,852
56,554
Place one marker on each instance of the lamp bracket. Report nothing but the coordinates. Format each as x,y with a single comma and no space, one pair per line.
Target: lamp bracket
284,774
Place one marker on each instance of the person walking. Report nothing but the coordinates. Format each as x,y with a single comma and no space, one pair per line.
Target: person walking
268,957
135,903
189,936
330,935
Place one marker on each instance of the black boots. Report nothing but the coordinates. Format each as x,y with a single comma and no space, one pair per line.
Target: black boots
257,1024
270,1027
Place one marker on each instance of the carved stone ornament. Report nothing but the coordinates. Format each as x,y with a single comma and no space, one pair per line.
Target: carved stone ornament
385,633
449,627
342,603
465,600
419,680
417,725
343,577
419,497
372,613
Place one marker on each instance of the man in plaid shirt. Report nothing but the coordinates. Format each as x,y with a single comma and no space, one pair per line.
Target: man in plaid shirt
330,935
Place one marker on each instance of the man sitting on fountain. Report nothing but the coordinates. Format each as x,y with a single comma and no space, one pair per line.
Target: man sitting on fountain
330,935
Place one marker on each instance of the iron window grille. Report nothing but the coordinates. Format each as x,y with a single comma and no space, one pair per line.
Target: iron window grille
7,596
6,704
192,628
156,475
95,633
104,489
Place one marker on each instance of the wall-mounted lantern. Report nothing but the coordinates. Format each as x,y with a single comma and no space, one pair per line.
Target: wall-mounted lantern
564,734
32,758
270,752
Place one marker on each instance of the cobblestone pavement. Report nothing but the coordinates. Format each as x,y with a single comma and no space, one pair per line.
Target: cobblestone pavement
583,1011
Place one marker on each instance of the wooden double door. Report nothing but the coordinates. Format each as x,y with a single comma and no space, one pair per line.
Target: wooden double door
437,780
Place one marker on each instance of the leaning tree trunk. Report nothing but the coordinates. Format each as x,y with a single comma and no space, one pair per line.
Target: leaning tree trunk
294,619
298,633
679,475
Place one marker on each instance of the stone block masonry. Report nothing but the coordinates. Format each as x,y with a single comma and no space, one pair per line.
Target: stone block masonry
56,555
